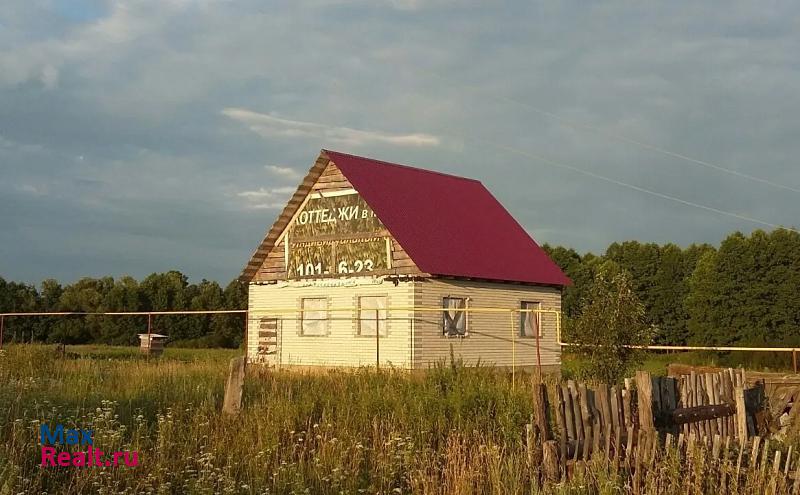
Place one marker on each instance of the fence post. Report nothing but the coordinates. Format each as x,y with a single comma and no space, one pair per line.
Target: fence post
247,331
514,352
561,422
377,340
540,410
232,403
644,392
741,414
2,324
550,461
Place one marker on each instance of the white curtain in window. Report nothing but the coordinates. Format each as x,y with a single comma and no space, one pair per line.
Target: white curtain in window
315,316
455,322
529,321
372,314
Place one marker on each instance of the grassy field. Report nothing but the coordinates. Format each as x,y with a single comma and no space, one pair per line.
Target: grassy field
346,432
451,430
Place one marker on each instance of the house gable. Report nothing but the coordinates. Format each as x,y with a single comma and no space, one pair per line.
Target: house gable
327,230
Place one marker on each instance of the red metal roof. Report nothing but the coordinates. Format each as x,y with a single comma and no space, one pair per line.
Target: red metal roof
449,225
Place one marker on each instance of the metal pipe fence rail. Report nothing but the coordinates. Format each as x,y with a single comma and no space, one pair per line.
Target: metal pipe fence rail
149,315
513,339
417,309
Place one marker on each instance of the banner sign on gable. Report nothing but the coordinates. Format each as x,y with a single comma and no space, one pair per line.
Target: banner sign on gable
337,235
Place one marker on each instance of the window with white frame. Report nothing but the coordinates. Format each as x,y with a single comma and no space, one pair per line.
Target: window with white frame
372,315
314,316
529,324
454,316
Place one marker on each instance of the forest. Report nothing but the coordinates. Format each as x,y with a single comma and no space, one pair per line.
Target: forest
170,291
746,291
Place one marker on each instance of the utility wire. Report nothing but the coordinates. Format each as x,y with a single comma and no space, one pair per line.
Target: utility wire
634,187
601,131
618,137
642,144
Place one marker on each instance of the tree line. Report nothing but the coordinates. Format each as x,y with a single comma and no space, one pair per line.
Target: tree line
744,292
170,291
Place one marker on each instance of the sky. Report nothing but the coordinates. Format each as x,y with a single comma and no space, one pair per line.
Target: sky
144,136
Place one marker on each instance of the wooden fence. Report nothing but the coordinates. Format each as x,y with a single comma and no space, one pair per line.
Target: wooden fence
631,424
704,465
590,419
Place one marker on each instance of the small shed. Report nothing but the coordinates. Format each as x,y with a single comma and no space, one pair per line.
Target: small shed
375,263
152,343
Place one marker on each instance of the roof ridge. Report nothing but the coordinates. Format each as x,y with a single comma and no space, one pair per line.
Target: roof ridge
400,165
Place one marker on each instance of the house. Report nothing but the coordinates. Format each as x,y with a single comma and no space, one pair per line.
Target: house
378,263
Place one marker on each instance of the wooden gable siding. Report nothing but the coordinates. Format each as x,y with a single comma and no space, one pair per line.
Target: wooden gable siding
331,179
489,338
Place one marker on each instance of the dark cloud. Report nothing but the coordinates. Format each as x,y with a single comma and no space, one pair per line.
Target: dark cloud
139,136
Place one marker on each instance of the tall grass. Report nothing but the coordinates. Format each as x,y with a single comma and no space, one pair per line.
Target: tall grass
336,432
450,430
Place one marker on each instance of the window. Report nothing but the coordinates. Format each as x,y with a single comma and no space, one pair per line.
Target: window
454,319
314,316
529,321
372,315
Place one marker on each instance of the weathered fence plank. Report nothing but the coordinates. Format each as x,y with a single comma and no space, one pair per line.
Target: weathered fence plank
644,392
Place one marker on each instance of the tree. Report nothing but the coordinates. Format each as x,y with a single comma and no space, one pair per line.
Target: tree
170,291
49,295
18,297
580,269
227,330
86,295
124,295
746,292
611,319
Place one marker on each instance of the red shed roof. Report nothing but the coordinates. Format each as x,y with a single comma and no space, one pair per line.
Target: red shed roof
449,225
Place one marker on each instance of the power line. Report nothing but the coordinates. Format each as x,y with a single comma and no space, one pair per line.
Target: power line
619,137
635,187
628,140
657,149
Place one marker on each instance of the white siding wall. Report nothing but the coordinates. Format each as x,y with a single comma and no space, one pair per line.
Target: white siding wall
489,334
343,346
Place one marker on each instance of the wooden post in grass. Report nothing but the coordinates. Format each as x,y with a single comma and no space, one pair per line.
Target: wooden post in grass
561,423
644,392
233,388
550,461
741,414
540,410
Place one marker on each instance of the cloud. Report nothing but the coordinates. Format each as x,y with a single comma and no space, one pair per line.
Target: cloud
33,190
49,77
266,198
266,193
267,125
265,206
285,172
